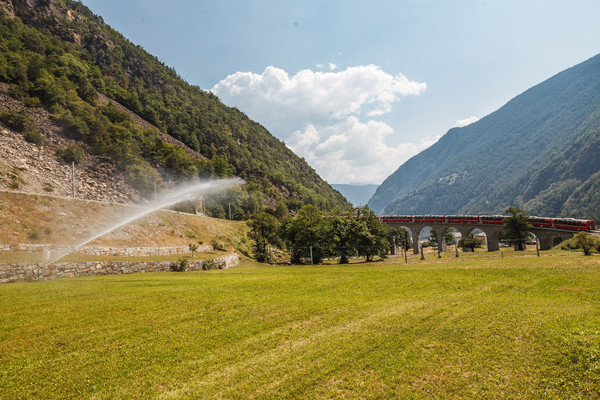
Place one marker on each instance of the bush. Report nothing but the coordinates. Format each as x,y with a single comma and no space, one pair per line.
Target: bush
217,245
34,235
70,154
180,265
470,242
585,242
16,120
20,122
33,136
185,207
208,264
142,176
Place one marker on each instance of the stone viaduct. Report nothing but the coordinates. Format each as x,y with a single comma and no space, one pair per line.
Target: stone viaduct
546,236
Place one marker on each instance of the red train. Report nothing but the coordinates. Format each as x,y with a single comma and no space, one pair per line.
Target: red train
538,222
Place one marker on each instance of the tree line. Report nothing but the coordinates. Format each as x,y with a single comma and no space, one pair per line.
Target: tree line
313,236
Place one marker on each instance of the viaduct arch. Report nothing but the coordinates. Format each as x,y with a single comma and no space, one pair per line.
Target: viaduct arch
545,235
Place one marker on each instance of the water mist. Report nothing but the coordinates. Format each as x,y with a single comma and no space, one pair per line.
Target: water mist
167,199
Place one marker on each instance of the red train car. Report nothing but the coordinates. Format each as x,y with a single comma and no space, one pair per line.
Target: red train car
462,219
540,222
429,218
492,219
573,224
396,218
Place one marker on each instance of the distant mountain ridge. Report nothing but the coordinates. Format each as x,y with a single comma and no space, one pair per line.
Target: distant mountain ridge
358,195
540,152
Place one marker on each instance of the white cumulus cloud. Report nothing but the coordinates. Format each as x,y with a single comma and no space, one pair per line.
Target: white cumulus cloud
328,117
467,121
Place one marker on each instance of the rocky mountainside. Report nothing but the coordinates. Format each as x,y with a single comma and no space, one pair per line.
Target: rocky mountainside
120,103
538,152
31,169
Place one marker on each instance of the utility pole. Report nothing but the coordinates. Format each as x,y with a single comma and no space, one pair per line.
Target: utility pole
155,191
73,177
229,211
311,257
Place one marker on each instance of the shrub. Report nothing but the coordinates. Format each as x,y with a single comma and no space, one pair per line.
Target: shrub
16,180
208,264
185,207
142,176
14,184
32,102
20,122
70,154
217,245
33,136
16,120
34,235
585,242
470,242
180,265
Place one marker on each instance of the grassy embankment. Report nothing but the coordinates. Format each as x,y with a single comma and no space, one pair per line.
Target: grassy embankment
480,326
66,222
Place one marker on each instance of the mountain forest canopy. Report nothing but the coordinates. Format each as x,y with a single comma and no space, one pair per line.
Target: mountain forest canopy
59,55
538,152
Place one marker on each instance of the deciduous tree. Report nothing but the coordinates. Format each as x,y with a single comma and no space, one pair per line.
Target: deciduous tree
517,227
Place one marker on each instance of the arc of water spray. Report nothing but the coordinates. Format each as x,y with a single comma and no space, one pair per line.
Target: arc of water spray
179,194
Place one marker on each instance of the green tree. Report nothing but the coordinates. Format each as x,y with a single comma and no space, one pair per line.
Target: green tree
516,227
470,242
307,233
449,236
433,237
585,242
372,235
344,231
193,247
264,230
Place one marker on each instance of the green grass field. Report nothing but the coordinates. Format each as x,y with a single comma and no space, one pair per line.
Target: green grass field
480,326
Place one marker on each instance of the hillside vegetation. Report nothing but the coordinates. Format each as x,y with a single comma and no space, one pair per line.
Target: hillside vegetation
57,54
538,152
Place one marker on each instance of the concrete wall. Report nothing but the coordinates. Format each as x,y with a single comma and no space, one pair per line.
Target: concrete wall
23,272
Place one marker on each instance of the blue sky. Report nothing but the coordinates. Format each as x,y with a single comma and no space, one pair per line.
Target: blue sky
358,87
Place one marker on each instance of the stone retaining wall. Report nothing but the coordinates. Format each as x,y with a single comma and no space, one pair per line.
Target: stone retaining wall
22,272
139,251
105,250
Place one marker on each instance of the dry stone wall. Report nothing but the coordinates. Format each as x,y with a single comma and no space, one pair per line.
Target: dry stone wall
105,250
23,272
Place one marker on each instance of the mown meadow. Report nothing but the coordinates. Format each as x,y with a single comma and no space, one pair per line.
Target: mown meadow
480,326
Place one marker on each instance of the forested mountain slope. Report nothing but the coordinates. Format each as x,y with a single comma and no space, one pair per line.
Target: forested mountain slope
59,55
540,152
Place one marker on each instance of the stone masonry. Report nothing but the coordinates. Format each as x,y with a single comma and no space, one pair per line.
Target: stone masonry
105,250
23,272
